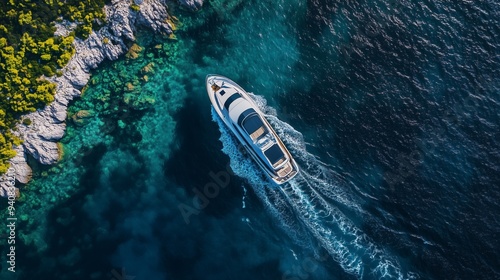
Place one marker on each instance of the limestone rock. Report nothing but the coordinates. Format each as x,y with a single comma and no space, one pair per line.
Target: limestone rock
64,27
22,172
4,188
121,19
193,5
153,13
22,169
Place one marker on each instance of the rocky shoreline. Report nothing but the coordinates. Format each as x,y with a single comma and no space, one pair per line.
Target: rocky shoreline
48,124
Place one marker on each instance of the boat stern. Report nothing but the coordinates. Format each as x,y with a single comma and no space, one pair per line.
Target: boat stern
286,173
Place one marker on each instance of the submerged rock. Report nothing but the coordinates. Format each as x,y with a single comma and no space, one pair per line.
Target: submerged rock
134,51
148,68
48,124
80,116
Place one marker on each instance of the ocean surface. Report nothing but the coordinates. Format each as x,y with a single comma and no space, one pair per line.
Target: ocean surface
391,108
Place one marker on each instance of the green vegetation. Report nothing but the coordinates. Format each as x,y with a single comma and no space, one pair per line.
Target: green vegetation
27,121
28,50
135,7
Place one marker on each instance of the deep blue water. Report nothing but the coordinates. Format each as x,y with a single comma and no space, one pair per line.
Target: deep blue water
391,108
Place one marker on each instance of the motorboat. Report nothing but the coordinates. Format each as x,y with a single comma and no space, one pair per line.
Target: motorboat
241,115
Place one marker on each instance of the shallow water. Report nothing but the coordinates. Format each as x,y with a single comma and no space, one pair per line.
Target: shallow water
390,108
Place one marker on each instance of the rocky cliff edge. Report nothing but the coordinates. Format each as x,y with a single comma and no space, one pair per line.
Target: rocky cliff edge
48,124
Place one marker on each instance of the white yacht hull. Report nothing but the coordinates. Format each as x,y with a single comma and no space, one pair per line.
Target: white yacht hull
263,144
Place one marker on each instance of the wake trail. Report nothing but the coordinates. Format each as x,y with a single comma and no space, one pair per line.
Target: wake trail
309,203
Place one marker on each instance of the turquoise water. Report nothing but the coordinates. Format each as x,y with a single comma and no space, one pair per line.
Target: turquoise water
391,110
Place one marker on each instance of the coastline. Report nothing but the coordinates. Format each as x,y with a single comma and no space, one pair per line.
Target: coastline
40,138
395,139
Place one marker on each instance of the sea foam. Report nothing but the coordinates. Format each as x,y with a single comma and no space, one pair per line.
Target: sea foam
309,202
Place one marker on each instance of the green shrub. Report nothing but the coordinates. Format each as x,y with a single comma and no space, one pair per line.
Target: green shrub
28,50
47,71
135,7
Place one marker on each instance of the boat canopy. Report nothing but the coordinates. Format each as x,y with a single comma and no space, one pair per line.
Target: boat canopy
252,124
274,154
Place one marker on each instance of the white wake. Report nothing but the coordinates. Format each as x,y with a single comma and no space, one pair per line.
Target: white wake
310,202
